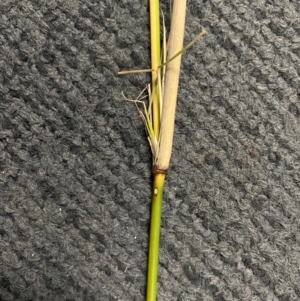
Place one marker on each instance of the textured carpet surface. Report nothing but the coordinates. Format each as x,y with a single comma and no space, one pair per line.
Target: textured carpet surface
75,181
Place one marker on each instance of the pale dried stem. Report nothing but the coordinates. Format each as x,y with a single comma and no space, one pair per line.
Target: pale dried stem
175,44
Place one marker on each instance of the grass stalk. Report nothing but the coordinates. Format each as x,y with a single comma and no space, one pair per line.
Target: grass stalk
159,118
154,239
155,61
166,131
158,179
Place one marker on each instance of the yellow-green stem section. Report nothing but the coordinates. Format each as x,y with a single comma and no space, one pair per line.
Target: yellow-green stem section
155,61
153,256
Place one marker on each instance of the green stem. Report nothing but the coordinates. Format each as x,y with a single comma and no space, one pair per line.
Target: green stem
153,256
155,61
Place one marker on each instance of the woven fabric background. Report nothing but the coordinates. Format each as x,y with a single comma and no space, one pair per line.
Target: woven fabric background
75,180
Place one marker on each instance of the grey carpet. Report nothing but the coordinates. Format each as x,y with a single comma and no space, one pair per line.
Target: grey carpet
75,179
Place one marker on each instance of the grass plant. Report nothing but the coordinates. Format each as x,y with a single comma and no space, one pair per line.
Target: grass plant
159,116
